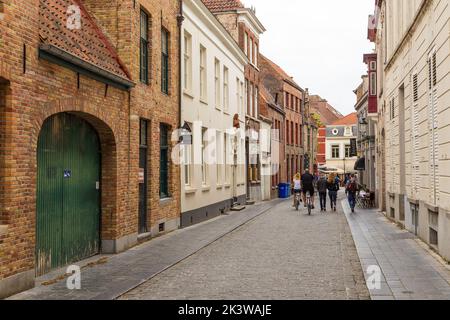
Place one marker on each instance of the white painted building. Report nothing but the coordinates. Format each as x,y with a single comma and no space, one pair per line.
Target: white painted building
413,47
213,85
338,144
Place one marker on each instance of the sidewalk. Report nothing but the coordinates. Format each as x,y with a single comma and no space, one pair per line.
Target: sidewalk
410,272
118,274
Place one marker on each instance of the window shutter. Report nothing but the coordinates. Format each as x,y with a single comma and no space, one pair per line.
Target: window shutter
433,129
415,165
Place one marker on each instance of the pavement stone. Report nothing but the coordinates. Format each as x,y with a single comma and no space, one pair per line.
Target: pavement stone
409,272
127,270
282,254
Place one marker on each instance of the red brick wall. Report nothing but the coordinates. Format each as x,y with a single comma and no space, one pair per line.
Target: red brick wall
321,150
46,89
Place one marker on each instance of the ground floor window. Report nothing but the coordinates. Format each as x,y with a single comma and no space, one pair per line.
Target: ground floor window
164,162
335,154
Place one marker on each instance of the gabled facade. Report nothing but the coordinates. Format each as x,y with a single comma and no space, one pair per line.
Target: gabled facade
213,106
244,26
292,97
338,144
87,107
326,115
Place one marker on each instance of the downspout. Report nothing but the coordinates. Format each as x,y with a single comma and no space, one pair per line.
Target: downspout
180,20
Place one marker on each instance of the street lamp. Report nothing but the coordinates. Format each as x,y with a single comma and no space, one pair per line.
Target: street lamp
363,125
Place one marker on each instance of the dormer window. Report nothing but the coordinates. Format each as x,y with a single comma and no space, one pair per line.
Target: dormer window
348,131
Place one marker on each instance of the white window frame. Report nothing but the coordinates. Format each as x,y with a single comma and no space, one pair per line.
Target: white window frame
203,75
333,148
204,163
226,90
219,160
187,62
217,83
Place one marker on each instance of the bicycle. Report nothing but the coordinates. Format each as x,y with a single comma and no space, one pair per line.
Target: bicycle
309,202
297,201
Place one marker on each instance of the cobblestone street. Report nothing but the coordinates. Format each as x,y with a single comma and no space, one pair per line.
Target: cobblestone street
283,254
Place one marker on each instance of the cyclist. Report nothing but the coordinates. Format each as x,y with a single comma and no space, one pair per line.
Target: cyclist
297,186
308,186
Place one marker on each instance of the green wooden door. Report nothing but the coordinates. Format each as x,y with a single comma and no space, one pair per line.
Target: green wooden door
68,192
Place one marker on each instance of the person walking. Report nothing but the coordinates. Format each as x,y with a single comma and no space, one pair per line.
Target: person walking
297,186
351,188
322,189
333,188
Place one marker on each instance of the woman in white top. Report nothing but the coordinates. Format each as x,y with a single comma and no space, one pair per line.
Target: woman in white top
297,185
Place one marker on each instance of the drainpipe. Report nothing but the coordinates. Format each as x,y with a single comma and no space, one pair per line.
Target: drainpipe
180,20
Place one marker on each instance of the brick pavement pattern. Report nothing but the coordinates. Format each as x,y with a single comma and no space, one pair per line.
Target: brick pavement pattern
282,254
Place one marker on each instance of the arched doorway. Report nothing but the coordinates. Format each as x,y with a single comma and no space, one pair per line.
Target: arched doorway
68,192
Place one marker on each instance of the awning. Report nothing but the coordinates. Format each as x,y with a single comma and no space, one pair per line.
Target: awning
360,165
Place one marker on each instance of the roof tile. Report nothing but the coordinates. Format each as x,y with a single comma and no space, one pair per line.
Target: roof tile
351,119
87,43
223,5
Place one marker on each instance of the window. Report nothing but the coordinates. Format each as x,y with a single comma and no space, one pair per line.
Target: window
187,161
144,56
226,150
255,114
203,84
187,62
287,132
238,95
348,151
226,90
250,99
286,104
204,164
392,108
292,132
217,82
415,88
348,131
219,155
246,44
164,61
335,152
296,134
373,83
373,65
241,93
164,162
256,54
250,54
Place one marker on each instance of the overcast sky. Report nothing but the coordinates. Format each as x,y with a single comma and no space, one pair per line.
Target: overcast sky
319,42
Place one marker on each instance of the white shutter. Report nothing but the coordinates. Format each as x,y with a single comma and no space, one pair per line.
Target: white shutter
415,164
433,129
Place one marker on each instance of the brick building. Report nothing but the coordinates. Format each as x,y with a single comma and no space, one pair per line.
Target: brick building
88,99
291,96
243,24
326,115
275,112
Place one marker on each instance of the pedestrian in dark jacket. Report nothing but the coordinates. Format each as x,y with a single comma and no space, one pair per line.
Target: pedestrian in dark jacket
322,189
333,188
